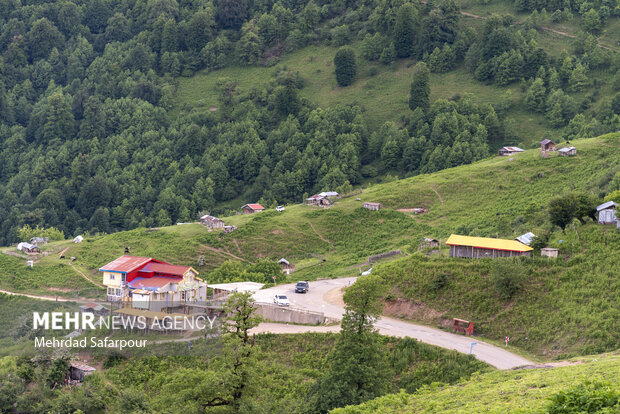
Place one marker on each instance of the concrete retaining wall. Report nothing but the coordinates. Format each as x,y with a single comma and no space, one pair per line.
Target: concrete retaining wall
285,314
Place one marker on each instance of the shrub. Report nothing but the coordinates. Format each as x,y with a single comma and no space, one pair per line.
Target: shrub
508,276
589,397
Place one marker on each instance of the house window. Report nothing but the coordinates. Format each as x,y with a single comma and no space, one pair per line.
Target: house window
111,277
182,295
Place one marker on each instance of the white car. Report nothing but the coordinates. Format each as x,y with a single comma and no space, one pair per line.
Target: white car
280,209
281,300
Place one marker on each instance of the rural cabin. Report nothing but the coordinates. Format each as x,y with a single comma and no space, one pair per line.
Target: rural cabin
28,248
526,238
252,208
547,145
77,371
321,199
549,252
567,152
372,206
507,151
485,247
94,308
287,267
150,284
607,212
229,229
211,222
429,242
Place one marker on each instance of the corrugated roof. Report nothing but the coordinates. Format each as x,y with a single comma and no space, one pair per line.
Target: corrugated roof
608,204
254,206
168,269
526,238
151,283
513,149
82,366
283,260
488,243
125,264
567,149
328,194
546,141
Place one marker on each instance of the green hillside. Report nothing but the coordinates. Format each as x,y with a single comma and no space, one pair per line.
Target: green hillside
495,197
524,391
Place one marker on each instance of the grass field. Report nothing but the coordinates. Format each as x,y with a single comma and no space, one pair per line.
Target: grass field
524,391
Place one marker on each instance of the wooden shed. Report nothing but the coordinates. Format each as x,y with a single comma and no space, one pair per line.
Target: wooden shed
607,212
252,208
372,206
549,252
485,247
547,145
429,242
567,152
287,267
79,370
211,222
506,151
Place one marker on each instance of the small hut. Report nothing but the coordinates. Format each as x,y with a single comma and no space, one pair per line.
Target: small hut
79,370
78,239
549,252
252,208
211,222
372,206
429,242
28,248
287,267
567,152
229,229
547,145
607,212
94,308
507,151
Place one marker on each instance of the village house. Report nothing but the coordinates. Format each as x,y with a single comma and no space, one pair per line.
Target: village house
211,222
526,238
150,284
252,208
549,252
507,151
607,213
567,152
287,267
429,242
94,308
485,247
372,206
547,145
321,199
77,371
28,248
229,229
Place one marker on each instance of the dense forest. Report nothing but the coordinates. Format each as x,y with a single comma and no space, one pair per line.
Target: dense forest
91,139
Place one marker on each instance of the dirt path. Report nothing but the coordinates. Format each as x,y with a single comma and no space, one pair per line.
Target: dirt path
237,245
63,252
436,192
223,252
51,298
320,235
85,277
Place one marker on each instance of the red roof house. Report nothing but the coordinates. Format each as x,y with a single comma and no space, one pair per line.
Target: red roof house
252,208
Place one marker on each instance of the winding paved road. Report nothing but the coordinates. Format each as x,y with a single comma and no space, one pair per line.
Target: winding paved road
324,296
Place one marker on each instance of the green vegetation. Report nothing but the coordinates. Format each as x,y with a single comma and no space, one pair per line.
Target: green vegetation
525,391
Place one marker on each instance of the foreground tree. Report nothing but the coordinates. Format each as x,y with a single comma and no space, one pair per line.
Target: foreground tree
345,66
358,369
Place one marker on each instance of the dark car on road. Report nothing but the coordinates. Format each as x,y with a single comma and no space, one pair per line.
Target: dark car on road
302,287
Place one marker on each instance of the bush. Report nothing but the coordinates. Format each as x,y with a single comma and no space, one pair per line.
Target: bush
589,397
508,276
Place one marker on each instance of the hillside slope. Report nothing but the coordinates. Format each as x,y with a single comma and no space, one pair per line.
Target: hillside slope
523,391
